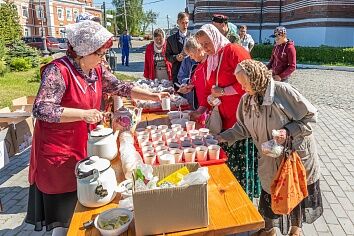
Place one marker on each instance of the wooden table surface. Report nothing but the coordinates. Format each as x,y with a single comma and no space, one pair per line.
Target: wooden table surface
230,209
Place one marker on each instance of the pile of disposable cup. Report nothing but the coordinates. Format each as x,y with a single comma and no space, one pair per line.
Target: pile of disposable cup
130,158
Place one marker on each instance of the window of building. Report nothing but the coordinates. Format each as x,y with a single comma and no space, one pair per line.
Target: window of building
24,11
69,16
40,12
27,32
76,13
60,14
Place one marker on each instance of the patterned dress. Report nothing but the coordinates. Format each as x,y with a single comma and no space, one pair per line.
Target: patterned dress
242,161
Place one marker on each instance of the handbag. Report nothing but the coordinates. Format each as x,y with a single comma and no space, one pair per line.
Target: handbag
214,121
289,186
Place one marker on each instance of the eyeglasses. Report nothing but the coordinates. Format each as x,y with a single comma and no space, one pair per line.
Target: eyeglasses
101,55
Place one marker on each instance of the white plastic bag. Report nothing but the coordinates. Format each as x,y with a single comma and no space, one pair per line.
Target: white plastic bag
201,176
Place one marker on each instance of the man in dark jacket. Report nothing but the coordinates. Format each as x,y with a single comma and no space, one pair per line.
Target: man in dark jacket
175,43
283,59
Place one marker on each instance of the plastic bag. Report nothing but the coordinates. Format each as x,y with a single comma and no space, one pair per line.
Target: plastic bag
271,148
130,158
201,176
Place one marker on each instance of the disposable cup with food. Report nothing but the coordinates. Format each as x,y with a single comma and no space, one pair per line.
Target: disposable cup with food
203,132
211,142
166,159
149,158
202,153
178,154
214,152
189,154
190,125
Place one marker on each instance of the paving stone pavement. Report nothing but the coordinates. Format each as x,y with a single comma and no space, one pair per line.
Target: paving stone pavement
330,91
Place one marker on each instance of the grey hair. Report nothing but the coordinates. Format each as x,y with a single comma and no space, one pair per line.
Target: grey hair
191,44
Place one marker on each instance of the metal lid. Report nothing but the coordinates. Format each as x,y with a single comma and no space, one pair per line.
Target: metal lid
101,131
87,166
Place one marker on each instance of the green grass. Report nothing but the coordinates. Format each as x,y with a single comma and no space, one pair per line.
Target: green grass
124,77
17,84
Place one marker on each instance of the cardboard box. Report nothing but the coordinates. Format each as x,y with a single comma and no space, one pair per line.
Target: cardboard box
7,116
22,134
168,210
6,136
26,100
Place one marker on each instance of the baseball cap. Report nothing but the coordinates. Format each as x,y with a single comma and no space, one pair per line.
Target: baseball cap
280,30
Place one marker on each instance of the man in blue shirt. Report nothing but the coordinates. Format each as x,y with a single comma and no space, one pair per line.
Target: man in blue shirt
125,42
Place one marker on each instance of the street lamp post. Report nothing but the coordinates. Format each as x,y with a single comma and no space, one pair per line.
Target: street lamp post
41,14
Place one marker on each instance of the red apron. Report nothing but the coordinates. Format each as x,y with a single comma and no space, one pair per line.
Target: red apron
57,147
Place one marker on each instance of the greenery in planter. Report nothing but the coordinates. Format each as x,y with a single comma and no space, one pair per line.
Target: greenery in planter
311,55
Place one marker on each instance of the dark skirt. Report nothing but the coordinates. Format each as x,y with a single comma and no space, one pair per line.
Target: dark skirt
49,210
243,163
309,210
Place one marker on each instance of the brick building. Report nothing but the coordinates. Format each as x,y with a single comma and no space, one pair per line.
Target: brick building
309,22
53,14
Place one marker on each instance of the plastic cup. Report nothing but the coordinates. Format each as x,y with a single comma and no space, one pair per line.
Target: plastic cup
158,143
211,142
214,152
193,133
149,158
166,159
202,153
176,126
162,127
203,132
156,137
161,148
173,145
161,153
166,104
178,154
147,149
189,154
190,125
151,127
142,139
139,131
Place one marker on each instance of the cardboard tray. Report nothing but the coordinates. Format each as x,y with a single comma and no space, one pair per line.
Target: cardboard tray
222,159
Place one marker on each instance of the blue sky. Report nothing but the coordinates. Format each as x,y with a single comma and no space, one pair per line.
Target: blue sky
163,7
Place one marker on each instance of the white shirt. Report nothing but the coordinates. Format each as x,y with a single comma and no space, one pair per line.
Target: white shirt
246,40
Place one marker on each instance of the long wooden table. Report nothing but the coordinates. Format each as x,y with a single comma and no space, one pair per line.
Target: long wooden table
230,209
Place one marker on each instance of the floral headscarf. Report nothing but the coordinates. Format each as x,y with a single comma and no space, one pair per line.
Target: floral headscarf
87,37
219,42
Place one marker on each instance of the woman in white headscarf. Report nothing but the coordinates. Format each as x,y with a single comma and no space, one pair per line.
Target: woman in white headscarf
223,58
67,107
156,65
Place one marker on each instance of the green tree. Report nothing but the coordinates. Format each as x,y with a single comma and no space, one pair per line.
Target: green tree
150,17
10,28
135,13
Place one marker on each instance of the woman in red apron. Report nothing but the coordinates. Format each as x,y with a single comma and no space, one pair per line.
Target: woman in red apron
223,58
66,106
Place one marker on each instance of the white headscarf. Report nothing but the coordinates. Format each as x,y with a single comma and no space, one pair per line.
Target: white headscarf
156,49
219,41
87,36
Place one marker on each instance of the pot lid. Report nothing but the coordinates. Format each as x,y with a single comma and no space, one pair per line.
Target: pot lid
85,167
101,131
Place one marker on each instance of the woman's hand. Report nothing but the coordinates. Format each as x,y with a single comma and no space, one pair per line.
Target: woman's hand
185,88
220,139
280,139
92,116
276,78
217,91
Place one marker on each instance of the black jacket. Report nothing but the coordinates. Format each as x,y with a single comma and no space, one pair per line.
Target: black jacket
173,48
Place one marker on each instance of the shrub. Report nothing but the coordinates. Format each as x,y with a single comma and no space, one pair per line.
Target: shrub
19,49
20,64
315,55
2,50
45,60
3,67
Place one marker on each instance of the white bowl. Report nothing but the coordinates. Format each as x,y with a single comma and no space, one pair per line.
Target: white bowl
111,213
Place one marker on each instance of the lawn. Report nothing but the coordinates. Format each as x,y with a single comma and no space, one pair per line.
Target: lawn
17,84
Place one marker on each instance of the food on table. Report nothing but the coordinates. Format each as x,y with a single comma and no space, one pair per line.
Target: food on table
113,223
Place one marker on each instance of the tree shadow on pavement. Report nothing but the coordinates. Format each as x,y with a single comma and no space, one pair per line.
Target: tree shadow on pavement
24,229
17,163
13,200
